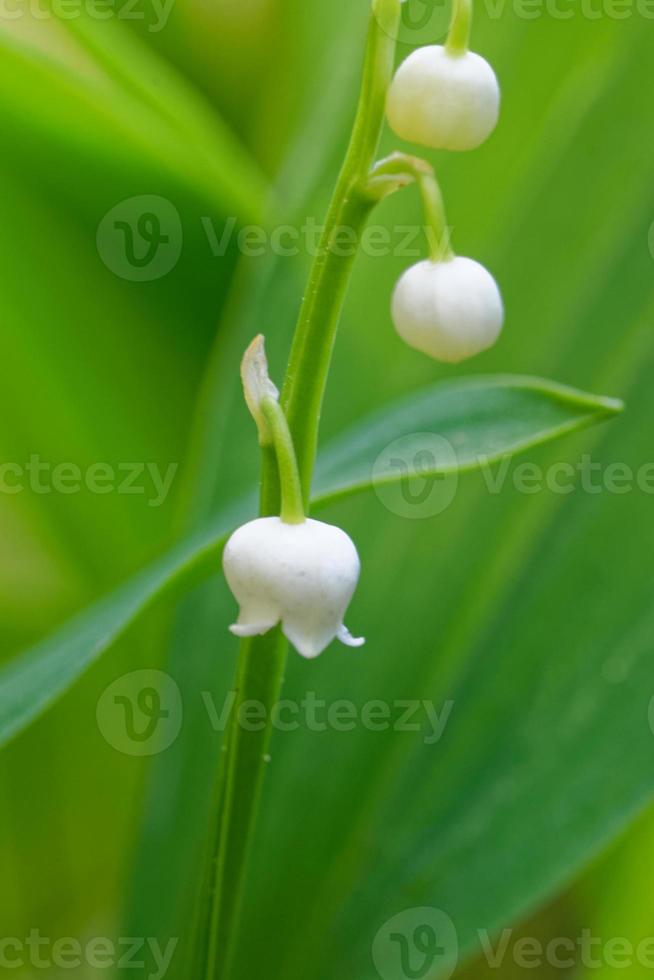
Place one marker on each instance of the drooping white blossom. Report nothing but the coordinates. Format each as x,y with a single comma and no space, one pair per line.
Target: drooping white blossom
302,575
444,100
450,310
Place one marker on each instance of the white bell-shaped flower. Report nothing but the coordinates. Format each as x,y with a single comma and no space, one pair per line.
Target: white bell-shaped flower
444,100
302,575
450,309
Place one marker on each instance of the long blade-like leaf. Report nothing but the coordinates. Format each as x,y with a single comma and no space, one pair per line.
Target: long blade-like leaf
486,418
476,422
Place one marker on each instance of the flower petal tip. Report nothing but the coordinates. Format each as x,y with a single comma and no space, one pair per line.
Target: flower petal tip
245,630
346,637
305,648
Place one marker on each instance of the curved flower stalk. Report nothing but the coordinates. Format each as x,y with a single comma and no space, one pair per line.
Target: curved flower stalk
447,306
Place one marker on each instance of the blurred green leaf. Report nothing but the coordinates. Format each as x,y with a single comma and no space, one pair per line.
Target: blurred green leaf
33,681
130,111
95,369
152,80
486,419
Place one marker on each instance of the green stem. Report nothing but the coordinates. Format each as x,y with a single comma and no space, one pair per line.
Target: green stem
259,679
438,234
292,509
458,39
399,170
262,659
261,665
313,344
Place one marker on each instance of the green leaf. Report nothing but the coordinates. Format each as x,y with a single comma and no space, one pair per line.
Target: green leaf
138,70
108,113
481,416
478,421
33,681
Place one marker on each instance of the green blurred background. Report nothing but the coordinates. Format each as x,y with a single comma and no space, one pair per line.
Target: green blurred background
241,109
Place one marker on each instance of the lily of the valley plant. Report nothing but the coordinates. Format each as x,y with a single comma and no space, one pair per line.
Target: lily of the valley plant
299,572
294,577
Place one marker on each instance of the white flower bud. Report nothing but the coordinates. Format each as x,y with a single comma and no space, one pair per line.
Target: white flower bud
449,310
302,575
443,100
257,385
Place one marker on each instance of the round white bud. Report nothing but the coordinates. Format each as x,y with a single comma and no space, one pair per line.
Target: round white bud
450,310
444,101
302,575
